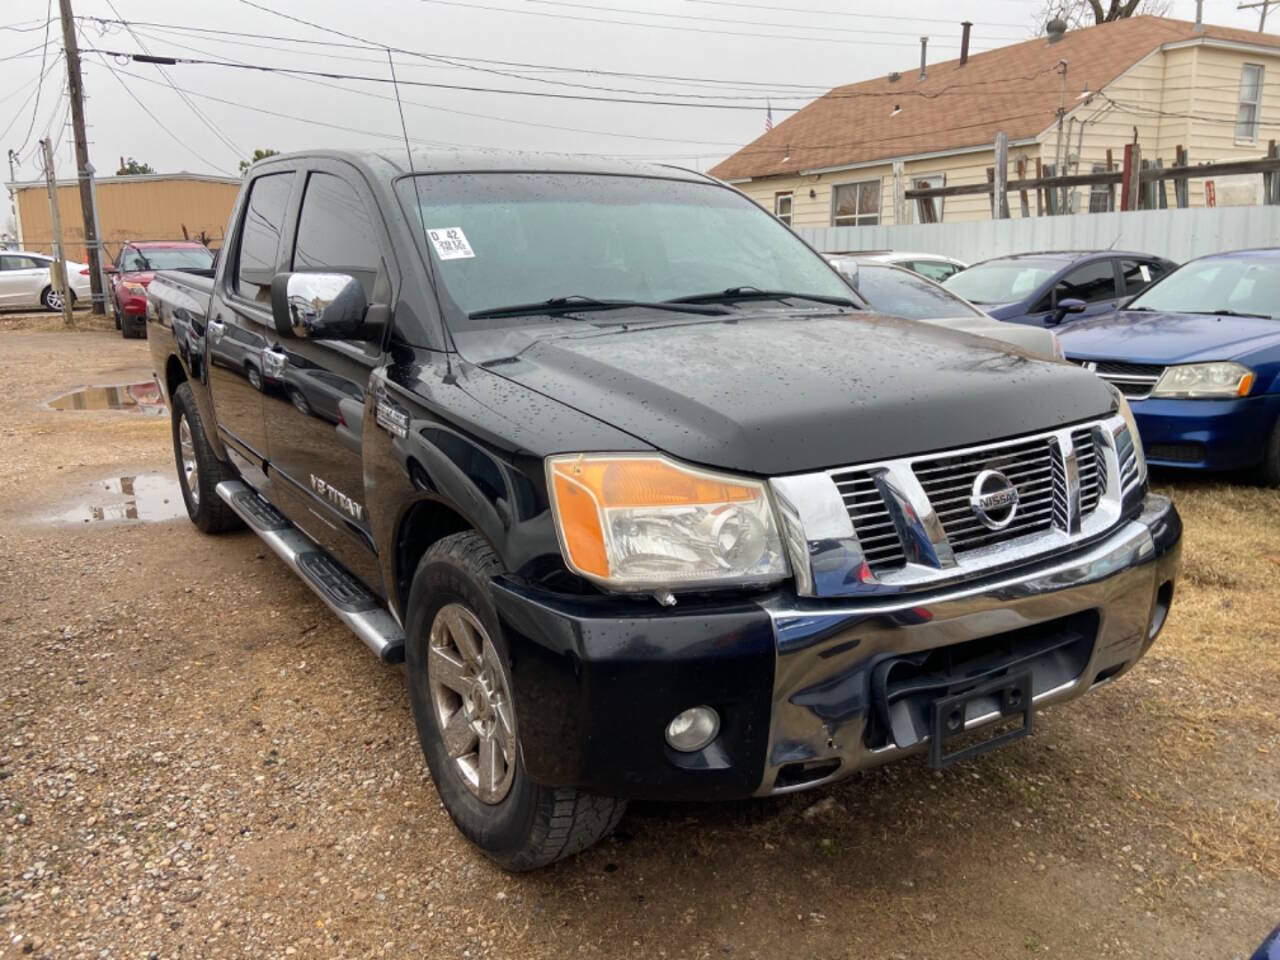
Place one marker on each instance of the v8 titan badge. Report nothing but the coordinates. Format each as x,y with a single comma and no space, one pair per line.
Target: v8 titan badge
390,415
450,243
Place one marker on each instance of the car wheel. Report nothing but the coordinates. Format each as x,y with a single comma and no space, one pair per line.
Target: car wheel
299,401
52,299
199,470
115,313
460,687
254,375
1271,465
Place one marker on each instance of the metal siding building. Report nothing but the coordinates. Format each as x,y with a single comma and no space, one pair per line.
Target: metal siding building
150,207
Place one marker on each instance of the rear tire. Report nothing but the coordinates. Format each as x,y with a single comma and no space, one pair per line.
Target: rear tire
199,470
516,822
1270,470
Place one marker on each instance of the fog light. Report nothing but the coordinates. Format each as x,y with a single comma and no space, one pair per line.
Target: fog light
693,729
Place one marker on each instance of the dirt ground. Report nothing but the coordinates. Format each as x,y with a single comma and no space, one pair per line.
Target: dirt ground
196,760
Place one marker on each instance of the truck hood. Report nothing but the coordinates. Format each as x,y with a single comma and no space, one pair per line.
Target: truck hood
775,393
1165,338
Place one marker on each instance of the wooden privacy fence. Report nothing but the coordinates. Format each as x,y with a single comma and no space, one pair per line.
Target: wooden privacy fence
1142,183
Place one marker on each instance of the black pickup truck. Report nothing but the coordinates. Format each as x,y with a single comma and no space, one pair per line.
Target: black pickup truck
648,499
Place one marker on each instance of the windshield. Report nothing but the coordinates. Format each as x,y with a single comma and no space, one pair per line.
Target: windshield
503,239
169,258
1244,285
903,294
1001,281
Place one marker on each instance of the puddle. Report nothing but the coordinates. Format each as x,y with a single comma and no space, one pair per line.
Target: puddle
143,397
148,497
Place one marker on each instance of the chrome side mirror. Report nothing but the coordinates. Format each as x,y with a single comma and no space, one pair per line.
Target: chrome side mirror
847,267
319,306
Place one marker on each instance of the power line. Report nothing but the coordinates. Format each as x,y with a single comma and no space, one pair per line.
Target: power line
48,9
466,4
213,127
23,106
687,16
846,13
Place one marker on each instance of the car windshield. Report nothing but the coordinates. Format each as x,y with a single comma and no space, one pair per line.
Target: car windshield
903,294
1249,285
172,258
507,239
1001,281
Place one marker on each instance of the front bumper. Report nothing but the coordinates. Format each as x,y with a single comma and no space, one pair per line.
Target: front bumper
795,681
1206,434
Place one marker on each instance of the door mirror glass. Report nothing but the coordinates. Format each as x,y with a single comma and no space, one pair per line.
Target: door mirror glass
319,306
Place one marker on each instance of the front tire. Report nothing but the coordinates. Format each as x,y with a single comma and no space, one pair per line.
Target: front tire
459,674
199,470
1271,465
52,300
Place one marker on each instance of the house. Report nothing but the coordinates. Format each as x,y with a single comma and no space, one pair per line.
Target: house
847,158
174,206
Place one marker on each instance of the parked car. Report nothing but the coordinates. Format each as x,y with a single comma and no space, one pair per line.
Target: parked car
902,293
1048,288
25,281
931,265
648,499
133,269
1198,356
1269,949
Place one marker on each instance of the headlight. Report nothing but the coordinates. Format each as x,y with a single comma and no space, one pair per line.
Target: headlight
1195,380
642,522
1140,465
1058,352
137,289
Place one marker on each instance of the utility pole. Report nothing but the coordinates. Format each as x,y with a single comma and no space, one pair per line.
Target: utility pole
13,194
75,91
1059,157
58,271
1260,6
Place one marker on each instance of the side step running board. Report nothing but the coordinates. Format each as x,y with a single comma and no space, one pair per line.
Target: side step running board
342,593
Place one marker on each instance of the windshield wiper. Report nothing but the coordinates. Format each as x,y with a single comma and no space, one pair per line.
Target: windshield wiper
576,302
755,293
1237,313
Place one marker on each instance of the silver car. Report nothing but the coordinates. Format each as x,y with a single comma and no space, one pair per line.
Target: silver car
26,281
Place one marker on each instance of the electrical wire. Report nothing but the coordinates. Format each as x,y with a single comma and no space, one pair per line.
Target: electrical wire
846,13
23,106
48,10
213,127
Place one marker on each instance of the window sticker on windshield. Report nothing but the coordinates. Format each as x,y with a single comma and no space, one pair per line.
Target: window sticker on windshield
1146,273
450,243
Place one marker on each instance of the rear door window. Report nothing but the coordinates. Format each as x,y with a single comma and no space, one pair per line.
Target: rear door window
1092,283
261,228
1140,274
935,270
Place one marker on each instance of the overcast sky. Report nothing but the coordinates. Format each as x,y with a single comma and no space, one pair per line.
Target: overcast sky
788,50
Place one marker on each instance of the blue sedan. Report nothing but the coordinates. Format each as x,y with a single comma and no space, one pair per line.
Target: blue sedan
1045,289
1198,356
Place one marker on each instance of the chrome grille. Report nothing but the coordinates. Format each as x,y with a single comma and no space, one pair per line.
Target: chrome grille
1127,454
1134,380
872,522
1088,463
948,483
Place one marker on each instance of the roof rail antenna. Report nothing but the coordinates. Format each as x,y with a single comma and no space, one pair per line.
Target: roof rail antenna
1113,243
924,44
965,27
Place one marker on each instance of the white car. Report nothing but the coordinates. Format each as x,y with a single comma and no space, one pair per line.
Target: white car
26,281
932,266
903,293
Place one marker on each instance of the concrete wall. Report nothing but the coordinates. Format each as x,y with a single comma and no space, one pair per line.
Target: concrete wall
131,208
1177,234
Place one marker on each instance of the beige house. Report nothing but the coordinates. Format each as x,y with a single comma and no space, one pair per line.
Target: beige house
177,206
847,158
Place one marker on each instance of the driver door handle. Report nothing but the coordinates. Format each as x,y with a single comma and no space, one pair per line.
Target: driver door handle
215,330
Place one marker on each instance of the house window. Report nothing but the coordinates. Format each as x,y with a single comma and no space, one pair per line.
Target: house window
782,207
1247,114
929,210
856,204
1100,193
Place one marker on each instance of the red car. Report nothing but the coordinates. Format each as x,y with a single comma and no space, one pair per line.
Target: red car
133,270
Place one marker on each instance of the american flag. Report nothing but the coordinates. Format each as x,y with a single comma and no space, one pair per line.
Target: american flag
768,117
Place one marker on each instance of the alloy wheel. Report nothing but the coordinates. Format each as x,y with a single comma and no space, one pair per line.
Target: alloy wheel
470,695
190,465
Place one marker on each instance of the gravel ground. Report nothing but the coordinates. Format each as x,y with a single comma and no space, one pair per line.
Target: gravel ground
196,760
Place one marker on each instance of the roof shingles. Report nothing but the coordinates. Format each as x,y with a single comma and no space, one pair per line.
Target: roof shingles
1015,88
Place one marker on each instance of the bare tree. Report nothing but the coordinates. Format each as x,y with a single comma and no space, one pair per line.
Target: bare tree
1088,13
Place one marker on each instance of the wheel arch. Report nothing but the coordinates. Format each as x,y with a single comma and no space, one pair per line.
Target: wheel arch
424,522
